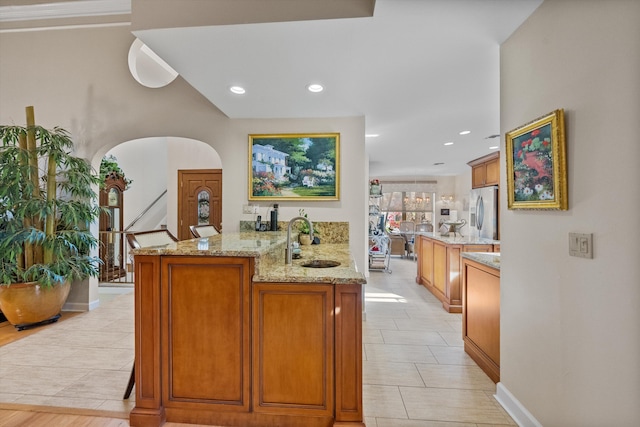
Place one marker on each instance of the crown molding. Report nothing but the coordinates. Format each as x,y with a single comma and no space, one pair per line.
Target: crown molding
62,10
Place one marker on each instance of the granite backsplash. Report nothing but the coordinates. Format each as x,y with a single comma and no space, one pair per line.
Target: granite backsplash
327,232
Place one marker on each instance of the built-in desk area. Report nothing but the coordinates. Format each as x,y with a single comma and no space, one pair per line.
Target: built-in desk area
226,334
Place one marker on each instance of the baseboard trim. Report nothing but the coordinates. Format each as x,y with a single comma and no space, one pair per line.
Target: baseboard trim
514,408
81,306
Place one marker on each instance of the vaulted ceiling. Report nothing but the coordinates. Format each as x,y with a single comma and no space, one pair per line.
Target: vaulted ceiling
419,71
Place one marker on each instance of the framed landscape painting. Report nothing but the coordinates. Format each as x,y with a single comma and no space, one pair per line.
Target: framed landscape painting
537,165
294,167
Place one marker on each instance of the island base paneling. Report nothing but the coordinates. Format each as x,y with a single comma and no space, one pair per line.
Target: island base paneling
215,348
440,268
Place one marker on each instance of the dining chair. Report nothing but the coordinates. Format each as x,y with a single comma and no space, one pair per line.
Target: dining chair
206,230
144,239
408,230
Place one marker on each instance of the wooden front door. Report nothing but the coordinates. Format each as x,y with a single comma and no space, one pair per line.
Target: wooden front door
199,199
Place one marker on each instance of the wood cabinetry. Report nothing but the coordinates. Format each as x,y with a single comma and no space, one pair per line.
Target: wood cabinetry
481,316
439,269
485,171
293,333
425,260
214,348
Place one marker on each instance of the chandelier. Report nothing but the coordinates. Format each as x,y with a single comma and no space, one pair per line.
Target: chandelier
415,201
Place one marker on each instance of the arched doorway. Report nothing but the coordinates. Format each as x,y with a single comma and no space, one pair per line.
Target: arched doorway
152,164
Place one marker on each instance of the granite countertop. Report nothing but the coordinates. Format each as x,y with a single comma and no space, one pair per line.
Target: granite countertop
268,250
459,240
490,259
345,273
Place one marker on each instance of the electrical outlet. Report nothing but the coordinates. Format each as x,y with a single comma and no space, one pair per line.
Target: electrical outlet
581,245
247,209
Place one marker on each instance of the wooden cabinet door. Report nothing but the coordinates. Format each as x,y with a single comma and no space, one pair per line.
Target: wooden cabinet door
492,172
485,171
481,317
478,176
426,261
293,332
440,267
205,332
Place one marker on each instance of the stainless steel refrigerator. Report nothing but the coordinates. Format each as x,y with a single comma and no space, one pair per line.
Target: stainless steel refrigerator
483,213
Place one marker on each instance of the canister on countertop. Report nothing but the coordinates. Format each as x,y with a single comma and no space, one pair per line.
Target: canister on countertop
274,218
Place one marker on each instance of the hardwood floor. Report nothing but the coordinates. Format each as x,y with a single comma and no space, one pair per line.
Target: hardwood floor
16,415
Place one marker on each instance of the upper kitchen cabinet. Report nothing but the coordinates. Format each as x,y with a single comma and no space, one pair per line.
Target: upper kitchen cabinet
485,170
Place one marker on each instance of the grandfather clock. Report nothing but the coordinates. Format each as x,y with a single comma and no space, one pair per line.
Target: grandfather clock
111,228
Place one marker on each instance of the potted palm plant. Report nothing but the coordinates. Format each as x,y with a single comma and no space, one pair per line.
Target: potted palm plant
47,203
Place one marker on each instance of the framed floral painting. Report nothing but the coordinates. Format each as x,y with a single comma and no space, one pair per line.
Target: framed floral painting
537,165
294,167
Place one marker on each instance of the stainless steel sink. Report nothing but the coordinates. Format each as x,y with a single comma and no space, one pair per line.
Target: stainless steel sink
320,263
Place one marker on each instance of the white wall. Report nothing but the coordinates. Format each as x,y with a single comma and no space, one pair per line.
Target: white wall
570,327
462,191
145,162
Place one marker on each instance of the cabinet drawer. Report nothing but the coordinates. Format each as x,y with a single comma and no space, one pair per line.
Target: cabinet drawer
478,248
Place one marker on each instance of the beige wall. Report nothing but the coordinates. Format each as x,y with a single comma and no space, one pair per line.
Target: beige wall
79,79
570,327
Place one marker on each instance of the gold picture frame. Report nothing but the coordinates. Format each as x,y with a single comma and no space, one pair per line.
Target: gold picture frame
537,164
303,166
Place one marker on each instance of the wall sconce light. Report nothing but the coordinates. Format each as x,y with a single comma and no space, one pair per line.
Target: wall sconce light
447,198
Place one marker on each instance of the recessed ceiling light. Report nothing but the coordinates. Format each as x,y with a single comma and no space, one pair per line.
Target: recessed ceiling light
315,88
238,90
465,132
371,135
448,143
438,164
495,147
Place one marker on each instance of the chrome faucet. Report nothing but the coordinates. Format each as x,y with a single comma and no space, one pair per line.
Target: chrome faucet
288,252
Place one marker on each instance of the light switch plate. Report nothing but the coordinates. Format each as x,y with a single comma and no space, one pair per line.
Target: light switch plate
247,209
581,245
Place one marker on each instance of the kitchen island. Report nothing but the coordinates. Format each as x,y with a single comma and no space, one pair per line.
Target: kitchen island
481,310
226,334
440,266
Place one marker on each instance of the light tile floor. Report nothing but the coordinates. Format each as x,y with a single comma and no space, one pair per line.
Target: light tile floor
415,370
83,362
